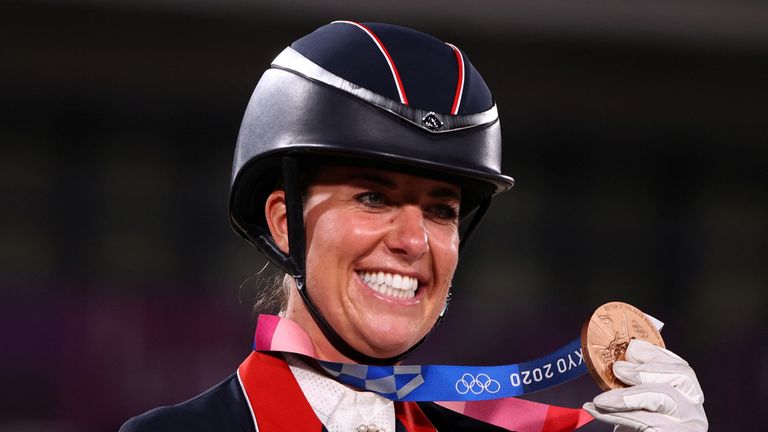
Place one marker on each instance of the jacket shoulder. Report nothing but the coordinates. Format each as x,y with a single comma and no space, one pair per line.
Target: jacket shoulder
221,408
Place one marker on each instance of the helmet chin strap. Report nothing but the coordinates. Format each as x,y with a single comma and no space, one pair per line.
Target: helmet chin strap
297,252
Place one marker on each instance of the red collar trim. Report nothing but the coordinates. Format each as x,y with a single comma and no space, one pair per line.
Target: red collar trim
274,396
411,416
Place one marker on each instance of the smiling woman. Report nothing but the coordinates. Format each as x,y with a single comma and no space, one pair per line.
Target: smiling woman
367,156
381,251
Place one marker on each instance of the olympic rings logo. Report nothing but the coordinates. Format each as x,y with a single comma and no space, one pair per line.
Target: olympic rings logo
476,385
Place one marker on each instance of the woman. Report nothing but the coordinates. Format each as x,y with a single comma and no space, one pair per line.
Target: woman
367,156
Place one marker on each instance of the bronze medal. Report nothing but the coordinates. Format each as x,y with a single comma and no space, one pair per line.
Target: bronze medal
606,335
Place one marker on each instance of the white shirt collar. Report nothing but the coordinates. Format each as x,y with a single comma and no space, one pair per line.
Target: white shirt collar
340,408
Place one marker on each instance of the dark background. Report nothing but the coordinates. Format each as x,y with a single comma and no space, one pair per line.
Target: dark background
637,133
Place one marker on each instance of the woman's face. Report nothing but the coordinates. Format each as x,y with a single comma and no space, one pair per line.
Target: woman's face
382,248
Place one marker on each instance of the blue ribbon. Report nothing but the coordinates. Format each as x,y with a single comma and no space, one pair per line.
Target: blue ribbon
463,383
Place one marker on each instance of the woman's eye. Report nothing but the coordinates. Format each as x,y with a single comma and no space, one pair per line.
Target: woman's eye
372,199
444,212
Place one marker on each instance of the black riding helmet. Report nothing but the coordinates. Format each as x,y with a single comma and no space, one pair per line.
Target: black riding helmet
363,93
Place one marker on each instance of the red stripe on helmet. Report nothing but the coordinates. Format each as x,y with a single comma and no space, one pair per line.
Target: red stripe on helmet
387,57
459,81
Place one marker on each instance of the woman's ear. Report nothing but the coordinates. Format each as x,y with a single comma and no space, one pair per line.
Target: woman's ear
277,218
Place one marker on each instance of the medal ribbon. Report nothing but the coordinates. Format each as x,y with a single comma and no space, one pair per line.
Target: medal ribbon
485,393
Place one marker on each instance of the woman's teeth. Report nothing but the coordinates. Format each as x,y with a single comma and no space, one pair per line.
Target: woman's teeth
391,284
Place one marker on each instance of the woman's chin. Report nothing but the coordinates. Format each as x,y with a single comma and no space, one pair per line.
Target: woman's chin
389,341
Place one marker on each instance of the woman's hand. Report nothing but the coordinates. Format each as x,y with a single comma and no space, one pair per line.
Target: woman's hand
664,396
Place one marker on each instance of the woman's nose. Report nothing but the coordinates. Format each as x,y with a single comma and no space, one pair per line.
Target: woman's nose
408,236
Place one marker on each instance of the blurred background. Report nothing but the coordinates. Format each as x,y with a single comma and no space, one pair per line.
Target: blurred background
637,133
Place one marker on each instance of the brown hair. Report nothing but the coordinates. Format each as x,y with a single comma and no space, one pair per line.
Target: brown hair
273,298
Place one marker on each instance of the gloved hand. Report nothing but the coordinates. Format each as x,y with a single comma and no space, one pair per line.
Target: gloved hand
664,396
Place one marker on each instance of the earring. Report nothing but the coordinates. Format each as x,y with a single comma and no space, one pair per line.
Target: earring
447,300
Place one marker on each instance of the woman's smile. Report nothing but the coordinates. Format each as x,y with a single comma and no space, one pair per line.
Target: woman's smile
391,285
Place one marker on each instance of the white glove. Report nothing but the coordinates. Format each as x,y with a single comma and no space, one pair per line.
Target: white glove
665,395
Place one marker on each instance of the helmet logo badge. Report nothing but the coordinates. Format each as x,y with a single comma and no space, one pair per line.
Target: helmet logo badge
431,121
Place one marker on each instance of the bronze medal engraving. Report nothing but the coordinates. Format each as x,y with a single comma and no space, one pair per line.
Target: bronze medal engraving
606,335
